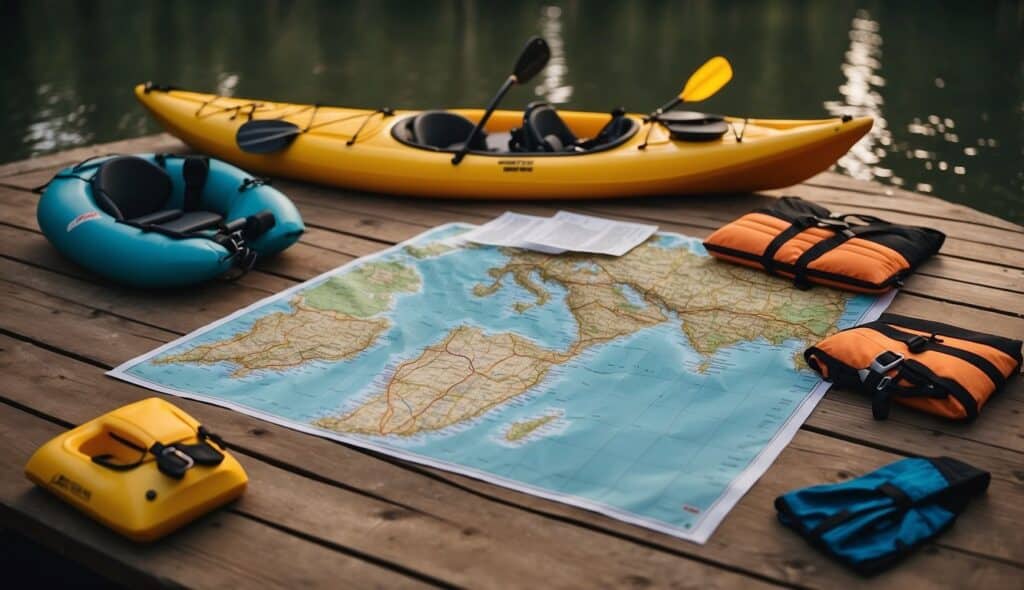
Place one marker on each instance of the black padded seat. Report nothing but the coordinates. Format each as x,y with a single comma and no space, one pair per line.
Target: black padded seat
445,130
545,130
135,191
127,187
157,217
192,221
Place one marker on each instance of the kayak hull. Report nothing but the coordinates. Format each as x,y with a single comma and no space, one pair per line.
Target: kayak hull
771,154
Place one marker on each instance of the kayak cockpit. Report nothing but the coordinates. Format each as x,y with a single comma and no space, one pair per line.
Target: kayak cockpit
543,132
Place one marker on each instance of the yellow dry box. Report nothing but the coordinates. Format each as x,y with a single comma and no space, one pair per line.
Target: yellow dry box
144,469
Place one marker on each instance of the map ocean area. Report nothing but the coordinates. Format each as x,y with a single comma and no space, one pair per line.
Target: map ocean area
654,387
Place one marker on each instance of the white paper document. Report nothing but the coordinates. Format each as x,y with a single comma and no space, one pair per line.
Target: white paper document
513,230
564,232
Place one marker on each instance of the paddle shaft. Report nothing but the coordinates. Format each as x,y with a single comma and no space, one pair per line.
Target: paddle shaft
509,83
668,106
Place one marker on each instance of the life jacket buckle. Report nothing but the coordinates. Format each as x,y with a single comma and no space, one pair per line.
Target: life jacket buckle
880,366
835,223
917,343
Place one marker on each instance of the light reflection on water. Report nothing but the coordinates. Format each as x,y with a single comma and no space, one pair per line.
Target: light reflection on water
862,98
61,120
945,85
553,87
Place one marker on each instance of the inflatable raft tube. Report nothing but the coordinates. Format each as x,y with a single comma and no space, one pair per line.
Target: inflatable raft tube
161,221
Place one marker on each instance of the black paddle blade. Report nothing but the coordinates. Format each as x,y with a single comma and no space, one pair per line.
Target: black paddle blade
266,136
532,60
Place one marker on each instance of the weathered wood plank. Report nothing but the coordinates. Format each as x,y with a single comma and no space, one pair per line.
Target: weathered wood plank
224,549
754,541
834,180
161,142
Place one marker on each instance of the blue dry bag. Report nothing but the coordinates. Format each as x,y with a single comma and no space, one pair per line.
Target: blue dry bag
870,522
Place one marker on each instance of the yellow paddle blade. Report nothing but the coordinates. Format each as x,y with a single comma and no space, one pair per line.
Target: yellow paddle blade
707,80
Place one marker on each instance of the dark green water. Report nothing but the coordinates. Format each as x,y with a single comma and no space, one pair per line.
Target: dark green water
945,80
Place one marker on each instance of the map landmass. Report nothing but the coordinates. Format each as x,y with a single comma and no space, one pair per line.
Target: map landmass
330,322
428,250
466,374
524,429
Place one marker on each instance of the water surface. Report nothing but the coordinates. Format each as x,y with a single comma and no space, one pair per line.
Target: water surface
945,80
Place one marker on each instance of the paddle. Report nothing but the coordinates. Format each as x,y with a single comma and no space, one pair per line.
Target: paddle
703,84
266,136
531,61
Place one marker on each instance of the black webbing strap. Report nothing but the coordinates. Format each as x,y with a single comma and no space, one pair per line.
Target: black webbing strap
796,226
194,169
86,164
843,234
831,522
901,502
878,383
918,343
815,252
896,494
929,384
173,460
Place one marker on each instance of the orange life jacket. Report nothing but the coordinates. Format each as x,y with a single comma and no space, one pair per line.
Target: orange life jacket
806,242
934,367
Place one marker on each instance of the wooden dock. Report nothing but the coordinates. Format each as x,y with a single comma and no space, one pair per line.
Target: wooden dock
319,513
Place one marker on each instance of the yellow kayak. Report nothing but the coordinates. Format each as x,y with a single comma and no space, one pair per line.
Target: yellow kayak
585,155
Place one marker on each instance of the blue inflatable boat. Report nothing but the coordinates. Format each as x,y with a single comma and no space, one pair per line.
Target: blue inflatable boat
161,220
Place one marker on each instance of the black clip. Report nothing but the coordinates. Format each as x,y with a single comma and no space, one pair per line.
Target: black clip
171,461
249,183
917,343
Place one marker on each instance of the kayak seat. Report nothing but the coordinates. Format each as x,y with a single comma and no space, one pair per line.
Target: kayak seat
445,130
544,130
127,187
157,217
136,192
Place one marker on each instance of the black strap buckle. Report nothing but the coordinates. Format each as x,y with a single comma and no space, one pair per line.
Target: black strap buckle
171,460
835,223
877,381
877,373
917,343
